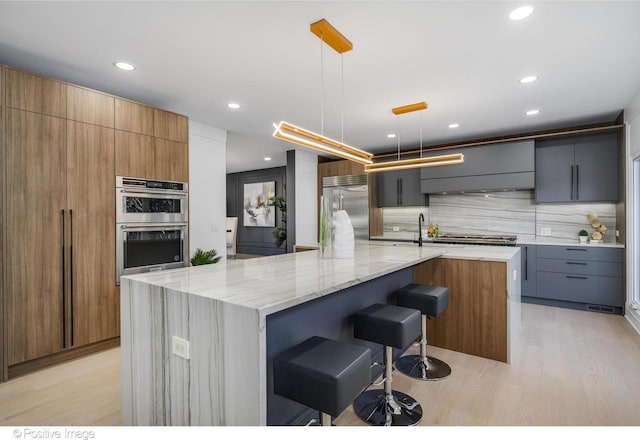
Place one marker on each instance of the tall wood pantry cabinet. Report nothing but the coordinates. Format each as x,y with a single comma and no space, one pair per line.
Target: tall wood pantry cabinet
62,146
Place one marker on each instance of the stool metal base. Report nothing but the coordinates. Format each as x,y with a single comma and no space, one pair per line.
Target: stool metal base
375,408
424,368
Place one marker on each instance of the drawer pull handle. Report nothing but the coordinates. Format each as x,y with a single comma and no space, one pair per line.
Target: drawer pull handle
576,249
576,278
577,264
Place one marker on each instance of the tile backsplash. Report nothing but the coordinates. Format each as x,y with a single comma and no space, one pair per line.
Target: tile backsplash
505,212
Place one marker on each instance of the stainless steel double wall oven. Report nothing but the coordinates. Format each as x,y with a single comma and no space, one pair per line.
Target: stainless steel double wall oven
151,225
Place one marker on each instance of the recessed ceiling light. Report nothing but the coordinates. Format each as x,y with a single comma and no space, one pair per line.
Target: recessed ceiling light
521,12
533,112
124,65
528,79
267,159
233,105
391,135
454,125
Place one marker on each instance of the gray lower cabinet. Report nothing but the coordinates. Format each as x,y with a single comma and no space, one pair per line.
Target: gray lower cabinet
528,272
400,188
579,277
577,169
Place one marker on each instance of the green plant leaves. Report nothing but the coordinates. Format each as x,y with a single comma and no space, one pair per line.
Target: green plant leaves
201,257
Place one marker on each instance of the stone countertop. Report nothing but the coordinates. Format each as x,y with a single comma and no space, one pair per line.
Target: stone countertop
545,241
274,283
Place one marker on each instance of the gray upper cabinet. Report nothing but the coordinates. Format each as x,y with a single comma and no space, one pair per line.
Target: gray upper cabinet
508,165
400,188
577,169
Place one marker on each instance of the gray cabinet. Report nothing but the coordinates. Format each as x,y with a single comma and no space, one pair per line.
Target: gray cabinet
507,165
581,276
400,188
528,272
577,169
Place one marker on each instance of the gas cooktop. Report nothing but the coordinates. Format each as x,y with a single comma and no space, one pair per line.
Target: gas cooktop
502,240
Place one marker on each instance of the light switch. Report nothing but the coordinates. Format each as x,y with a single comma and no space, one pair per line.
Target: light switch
214,227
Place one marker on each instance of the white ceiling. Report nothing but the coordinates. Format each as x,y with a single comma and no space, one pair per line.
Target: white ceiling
463,58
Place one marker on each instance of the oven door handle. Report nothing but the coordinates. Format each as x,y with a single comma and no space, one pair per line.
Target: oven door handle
151,191
153,226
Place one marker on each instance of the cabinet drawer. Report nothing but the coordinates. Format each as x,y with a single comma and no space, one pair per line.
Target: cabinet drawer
580,288
580,267
581,253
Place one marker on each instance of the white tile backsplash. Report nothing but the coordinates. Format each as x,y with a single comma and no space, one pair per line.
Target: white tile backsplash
504,212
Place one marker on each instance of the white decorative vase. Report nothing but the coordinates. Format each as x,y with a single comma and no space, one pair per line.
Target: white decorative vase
344,240
582,238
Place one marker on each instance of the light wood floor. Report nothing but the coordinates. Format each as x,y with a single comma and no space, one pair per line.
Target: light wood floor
571,368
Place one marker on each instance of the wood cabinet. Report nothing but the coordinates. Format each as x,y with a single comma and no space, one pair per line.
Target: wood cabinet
400,188
170,126
475,322
84,105
62,146
35,219
171,160
577,169
91,202
134,155
151,143
34,93
133,117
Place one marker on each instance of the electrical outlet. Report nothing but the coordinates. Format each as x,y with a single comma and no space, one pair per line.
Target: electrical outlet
214,227
396,229
180,347
617,233
545,231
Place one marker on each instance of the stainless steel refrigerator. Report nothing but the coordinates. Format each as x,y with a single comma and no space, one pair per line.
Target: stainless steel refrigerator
350,193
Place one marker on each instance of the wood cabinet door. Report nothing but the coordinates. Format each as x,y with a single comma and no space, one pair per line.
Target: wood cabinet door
35,179
134,117
170,126
25,91
91,197
135,155
88,106
171,160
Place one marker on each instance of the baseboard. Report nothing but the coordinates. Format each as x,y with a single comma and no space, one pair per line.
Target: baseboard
633,316
57,358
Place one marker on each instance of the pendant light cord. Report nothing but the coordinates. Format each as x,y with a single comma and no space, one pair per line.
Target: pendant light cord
398,135
420,134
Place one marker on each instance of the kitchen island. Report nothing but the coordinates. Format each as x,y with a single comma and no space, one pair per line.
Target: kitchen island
237,315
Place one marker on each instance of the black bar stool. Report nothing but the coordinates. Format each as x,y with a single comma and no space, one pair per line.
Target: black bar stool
391,326
322,374
431,301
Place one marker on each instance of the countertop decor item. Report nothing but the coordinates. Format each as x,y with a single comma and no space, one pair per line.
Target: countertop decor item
201,257
600,229
583,235
280,232
325,227
343,240
433,231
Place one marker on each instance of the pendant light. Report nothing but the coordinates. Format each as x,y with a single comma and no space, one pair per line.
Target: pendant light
297,135
445,159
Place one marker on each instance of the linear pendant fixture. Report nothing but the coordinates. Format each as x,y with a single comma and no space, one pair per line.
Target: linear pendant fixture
446,159
432,161
297,135
306,138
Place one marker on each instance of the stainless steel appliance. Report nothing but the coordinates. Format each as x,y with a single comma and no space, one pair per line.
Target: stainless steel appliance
151,225
150,201
350,193
495,240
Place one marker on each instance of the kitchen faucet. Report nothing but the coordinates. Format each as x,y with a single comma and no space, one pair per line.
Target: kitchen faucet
420,221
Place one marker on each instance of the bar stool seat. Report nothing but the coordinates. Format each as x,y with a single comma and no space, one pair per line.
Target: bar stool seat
322,374
431,301
391,326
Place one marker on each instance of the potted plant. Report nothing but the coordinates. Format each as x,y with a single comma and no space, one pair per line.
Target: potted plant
201,257
582,235
280,232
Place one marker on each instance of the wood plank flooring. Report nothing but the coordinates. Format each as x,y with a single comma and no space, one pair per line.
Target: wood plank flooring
571,368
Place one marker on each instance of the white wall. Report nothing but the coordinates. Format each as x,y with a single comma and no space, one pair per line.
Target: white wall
306,198
632,119
207,188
